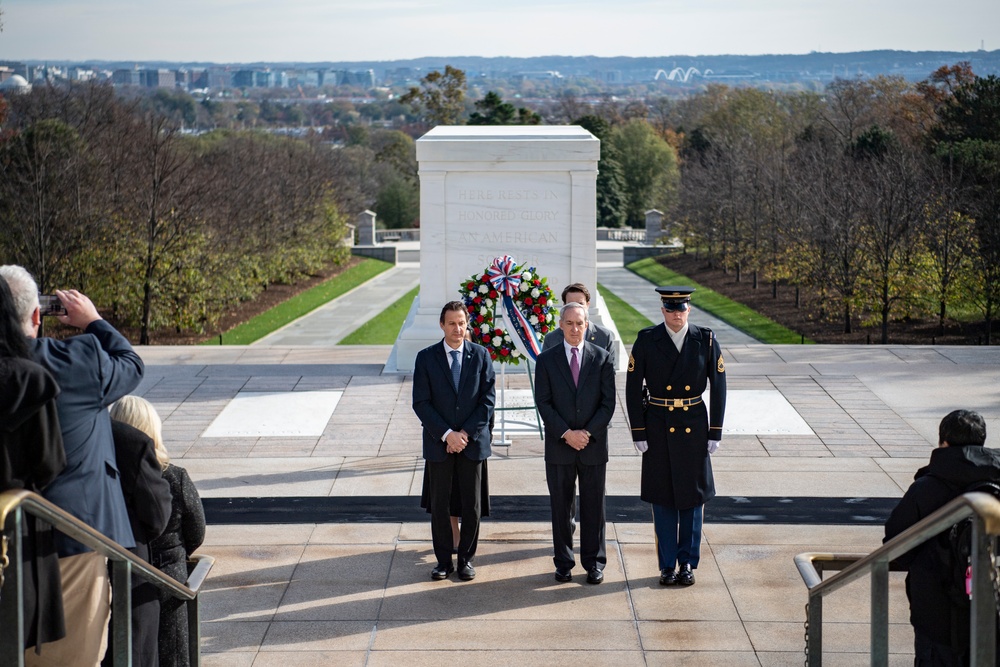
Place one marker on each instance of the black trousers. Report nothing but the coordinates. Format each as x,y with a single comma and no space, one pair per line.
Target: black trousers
467,475
561,479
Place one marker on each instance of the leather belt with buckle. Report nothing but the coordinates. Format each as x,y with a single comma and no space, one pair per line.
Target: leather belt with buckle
674,402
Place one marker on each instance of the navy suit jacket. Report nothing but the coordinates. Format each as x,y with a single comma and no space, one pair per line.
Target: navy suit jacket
565,406
440,407
596,334
93,371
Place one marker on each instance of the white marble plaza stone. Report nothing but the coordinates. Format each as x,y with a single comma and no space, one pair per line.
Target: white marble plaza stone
485,192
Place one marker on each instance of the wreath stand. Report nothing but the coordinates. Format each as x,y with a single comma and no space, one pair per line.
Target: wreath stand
503,441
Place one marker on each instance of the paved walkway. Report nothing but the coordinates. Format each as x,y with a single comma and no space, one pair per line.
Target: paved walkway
333,321
354,589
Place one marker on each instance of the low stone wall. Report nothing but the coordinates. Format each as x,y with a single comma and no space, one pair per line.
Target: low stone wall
386,253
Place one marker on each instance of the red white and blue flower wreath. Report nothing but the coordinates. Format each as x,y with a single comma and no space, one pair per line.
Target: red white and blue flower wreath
511,308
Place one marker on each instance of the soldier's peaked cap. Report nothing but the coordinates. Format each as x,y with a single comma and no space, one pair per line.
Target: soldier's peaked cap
674,293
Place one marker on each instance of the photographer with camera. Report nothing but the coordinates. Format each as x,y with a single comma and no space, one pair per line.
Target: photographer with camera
93,370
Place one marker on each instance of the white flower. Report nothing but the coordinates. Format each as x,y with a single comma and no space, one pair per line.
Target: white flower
485,328
483,289
506,338
525,287
534,320
526,275
496,341
489,302
515,353
484,311
472,294
535,293
548,317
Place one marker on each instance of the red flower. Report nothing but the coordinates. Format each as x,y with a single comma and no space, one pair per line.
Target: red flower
486,338
537,310
545,329
493,294
479,318
498,332
477,300
537,282
528,301
493,354
470,286
504,351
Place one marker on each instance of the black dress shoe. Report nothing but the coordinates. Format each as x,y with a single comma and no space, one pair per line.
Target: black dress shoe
441,572
668,577
685,577
466,572
595,576
563,575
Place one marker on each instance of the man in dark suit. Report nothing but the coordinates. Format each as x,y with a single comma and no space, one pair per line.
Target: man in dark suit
596,334
671,365
453,395
93,370
575,392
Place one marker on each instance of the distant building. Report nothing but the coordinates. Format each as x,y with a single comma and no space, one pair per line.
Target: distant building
243,78
157,78
125,77
539,76
14,84
312,78
218,78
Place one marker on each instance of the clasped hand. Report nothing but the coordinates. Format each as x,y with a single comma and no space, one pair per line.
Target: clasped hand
577,439
456,441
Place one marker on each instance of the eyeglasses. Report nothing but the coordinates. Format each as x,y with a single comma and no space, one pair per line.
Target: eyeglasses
676,307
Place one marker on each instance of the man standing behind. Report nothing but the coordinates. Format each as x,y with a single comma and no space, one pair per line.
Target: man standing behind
453,395
670,366
940,620
575,392
93,370
596,334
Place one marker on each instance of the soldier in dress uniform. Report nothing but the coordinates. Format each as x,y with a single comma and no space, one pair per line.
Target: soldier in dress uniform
670,366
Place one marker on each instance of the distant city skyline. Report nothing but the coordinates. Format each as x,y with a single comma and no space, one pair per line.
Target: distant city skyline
243,31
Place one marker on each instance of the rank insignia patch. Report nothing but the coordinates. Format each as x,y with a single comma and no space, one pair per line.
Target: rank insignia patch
722,365
631,363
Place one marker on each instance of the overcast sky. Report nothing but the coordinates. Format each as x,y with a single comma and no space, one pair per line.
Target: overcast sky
354,30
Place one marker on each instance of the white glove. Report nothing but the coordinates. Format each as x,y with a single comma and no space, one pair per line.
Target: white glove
641,446
713,445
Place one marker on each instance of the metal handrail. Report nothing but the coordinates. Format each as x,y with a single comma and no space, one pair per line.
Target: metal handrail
13,504
985,512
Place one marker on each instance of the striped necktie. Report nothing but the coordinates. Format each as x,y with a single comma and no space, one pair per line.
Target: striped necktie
456,368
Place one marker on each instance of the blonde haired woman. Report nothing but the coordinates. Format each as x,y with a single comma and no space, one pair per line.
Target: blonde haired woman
184,533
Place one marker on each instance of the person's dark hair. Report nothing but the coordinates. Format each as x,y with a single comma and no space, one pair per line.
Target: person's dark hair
453,305
13,342
576,287
962,428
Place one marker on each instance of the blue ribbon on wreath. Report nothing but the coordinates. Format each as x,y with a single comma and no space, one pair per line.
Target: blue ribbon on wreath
503,279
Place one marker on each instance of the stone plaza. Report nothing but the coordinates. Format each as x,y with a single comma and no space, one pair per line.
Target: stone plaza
324,554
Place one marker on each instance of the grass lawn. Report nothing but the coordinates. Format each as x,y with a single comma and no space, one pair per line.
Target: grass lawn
628,320
735,314
383,328
289,311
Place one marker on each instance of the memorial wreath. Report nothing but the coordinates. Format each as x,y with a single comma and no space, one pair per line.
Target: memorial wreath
511,308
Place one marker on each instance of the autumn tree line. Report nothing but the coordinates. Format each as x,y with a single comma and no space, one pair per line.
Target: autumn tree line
880,195
163,229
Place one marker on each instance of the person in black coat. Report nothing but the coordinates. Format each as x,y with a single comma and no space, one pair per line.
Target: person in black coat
31,455
184,531
148,501
670,367
575,392
940,623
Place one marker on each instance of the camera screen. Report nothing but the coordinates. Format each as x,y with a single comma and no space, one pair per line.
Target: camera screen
51,305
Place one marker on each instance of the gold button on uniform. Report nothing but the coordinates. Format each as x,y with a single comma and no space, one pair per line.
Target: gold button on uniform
671,429
685,408
670,409
687,387
687,430
669,387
